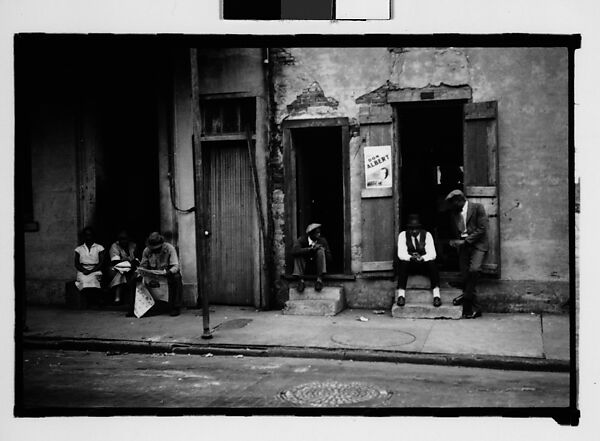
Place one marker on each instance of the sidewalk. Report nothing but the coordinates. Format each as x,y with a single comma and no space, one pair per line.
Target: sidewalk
505,341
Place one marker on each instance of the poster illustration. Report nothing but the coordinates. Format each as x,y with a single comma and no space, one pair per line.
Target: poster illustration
378,166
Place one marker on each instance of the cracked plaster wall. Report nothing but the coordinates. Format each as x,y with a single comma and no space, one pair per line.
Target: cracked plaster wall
531,87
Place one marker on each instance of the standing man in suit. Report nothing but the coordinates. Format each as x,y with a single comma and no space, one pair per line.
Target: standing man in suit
311,250
470,224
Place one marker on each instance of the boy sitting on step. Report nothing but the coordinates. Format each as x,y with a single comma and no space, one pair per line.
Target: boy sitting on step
416,252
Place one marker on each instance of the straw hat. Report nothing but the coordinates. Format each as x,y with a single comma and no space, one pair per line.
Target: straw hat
312,227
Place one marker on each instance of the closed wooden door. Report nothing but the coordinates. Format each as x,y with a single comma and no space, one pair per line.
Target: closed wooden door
234,245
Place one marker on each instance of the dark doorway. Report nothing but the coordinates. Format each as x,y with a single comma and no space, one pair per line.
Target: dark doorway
431,143
320,186
127,181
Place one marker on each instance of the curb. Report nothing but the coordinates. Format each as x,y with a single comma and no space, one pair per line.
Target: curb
117,347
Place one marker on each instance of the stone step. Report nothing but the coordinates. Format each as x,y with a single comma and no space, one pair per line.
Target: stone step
309,293
418,281
425,296
313,307
423,311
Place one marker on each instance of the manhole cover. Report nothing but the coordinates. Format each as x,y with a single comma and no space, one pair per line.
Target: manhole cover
332,394
233,324
373,338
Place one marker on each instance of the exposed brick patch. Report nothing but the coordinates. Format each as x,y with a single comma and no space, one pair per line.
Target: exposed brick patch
377,96
283,56
398,50
312,96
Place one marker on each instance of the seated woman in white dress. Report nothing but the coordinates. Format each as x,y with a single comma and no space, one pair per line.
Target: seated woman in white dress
89,258
121,271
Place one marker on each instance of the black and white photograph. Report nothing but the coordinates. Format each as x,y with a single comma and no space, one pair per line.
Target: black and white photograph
159,179
275,224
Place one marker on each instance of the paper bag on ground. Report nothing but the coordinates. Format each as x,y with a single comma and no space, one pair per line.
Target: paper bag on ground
143,300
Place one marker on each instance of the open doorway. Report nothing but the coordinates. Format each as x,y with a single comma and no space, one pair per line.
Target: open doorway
431,145
320,186
127,184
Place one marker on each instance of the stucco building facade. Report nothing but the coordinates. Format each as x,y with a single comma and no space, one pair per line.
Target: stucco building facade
283,134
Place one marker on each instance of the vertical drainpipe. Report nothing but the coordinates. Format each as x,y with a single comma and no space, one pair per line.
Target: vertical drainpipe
270,119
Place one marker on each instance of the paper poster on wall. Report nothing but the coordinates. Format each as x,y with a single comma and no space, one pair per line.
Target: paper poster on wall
378,166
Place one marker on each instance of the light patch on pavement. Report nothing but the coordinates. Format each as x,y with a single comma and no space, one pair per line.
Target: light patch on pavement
265,367
174,373
207,384
302,370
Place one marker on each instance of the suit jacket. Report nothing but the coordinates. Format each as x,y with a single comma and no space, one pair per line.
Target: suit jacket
477,226
302,248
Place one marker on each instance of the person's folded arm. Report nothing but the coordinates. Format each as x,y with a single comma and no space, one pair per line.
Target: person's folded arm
402,249
297,249
430,253
481,226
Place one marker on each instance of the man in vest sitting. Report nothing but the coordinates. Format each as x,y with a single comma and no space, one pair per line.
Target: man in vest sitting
416,252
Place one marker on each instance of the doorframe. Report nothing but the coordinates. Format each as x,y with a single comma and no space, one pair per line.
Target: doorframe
411,99
290,179
260,286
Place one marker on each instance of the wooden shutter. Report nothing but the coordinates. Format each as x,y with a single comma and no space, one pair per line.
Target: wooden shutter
481,170
378,241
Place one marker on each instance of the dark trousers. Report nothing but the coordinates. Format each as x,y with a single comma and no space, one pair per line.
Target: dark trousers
469,262
175,287
428,269
316,261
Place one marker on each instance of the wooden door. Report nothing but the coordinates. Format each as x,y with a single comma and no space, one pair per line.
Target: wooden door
234,243
480,150
378,204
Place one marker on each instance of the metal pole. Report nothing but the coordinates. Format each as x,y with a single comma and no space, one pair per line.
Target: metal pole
202,232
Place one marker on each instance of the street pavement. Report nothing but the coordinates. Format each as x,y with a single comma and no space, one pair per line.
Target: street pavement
61,382
508,341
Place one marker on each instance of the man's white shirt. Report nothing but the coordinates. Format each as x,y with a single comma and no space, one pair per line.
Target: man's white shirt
463,213
429,247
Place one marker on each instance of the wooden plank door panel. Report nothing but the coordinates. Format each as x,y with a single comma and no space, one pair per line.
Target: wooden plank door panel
233,241
378,241
481,171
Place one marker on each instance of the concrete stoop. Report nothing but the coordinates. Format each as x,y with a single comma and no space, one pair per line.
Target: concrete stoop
329,301
419,301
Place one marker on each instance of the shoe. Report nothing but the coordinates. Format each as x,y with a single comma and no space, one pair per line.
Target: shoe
437,302
300,286
318,285
458,300
472,315
174,312
401,301
130,314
